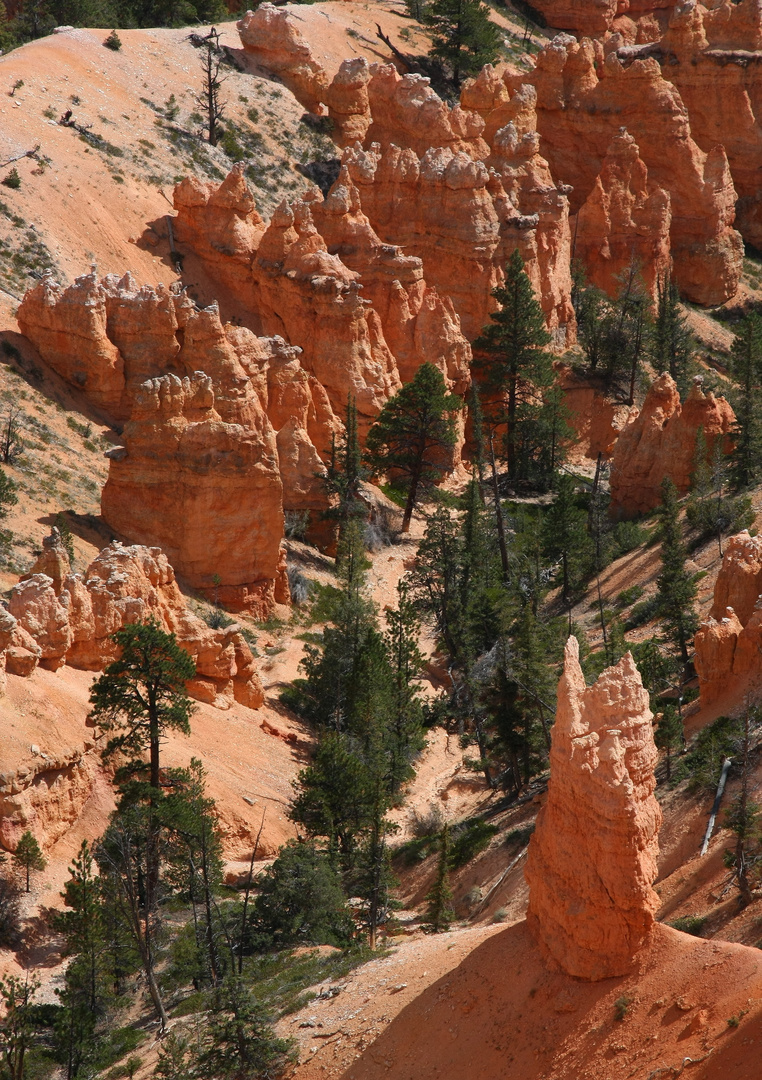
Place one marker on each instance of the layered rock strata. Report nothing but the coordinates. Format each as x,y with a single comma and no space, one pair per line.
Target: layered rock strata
312,288
592,858
729,641
624,220
455,214
224,430
661,442
61,618
583,99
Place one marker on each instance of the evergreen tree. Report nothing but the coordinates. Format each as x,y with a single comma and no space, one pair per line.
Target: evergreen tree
17,1026
669,734
344,478
407,663
711,510
440,910
464,38
8,494
413,431
28,856
743,819
676,587
84,997
300,901
516,366
238,1042
746,366
435,581
672,345
565,536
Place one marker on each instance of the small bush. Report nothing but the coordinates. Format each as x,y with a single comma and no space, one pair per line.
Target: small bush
621,1005
296,524
702,764
216,618
427,823
500,915
629,596
113,41
643,612
520,836
12,180
470,840
299,586
689,924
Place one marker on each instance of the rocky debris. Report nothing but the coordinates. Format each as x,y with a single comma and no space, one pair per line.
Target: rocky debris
592,858
624,219
583,100
454,214
71,622
271,36
729,642
661,442
337,295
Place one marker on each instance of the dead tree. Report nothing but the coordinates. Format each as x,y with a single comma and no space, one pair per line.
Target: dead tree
11,445
209,98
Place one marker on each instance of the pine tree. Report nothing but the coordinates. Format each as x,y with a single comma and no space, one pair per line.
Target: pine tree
440,910
711,510
412,433
565,536
676,587
28,856
17,1026
516,365
406,737
464,38
672,345
239,1043
344,478
669,734
746,366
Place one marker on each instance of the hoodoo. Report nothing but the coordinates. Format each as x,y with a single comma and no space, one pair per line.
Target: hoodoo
592,859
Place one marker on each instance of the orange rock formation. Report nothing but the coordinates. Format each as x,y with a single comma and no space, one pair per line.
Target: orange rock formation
661,442
729,641
624,218
592,858
63,618
225,430
311,288
275,41
582,102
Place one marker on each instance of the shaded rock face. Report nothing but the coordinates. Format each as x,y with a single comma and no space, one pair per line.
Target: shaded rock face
713,56
729,642
592,858
211,413
624,218
661,441
359,308
70,621
583,99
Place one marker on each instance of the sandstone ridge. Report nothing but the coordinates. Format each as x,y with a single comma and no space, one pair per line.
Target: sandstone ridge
592,858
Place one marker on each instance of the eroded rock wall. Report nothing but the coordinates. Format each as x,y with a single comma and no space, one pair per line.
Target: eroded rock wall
729,641
593,855
661,442
69,619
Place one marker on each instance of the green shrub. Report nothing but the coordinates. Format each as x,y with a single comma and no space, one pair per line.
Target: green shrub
469,840
643,612
629,596
621,1005
702,764
689,924
12,180
113,41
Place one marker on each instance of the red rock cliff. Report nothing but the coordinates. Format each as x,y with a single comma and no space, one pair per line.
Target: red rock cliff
592,858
